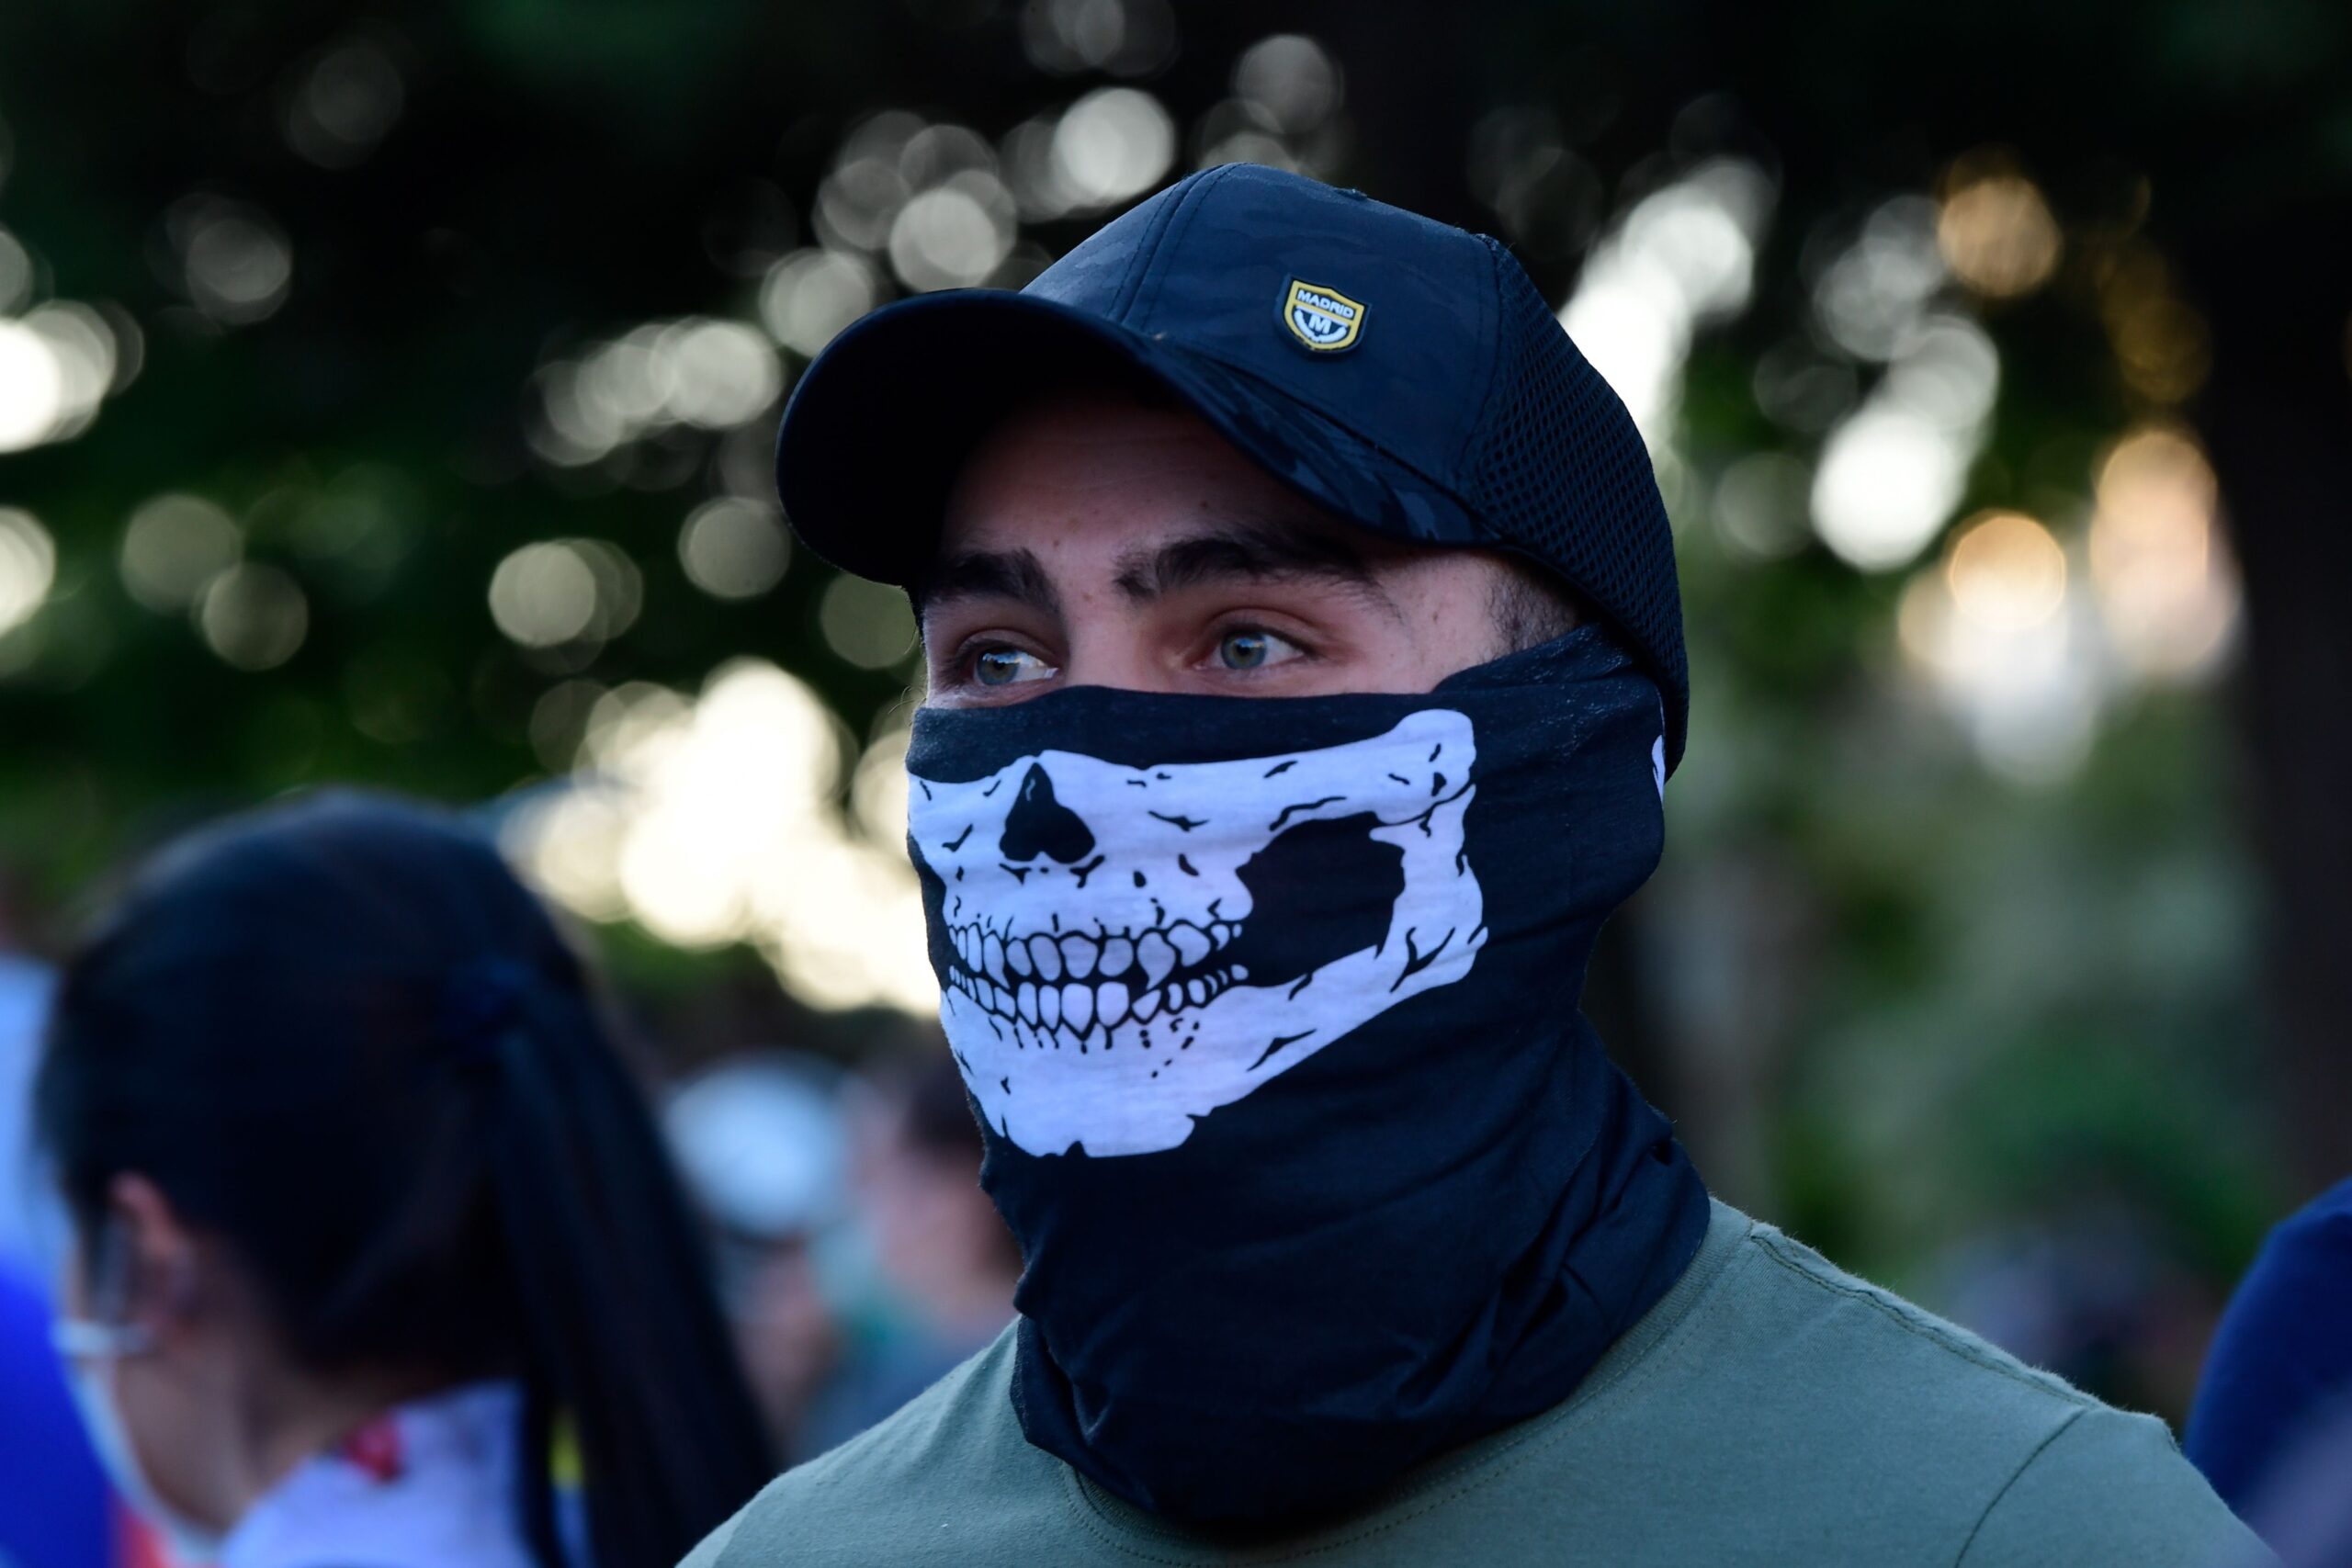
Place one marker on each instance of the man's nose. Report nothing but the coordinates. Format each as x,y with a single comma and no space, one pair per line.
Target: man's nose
1040,825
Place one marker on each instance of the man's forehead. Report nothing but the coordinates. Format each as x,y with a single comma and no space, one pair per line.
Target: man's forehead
1110,473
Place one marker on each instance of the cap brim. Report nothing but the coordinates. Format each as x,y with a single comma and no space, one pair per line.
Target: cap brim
883,418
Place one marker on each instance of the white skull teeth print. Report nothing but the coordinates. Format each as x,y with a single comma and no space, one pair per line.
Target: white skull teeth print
1123,950
1072,991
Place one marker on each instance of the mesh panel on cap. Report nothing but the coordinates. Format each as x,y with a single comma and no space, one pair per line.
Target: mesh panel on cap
1559,470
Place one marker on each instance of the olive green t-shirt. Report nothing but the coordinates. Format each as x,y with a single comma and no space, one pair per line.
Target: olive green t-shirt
1771,1409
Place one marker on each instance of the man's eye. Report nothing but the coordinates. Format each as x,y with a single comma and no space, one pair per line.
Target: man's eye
1254,650
1008,666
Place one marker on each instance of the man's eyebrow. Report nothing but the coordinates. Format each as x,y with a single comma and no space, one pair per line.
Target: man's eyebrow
988,574
1243,552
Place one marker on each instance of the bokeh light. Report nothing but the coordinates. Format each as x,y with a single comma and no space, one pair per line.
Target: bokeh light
734,549
565,590
236,263
544,594
2004,571
33,388
1288,91
1239,131
723,373
569,843
857,202
1893,471
27,567
1870,295
718,821
810,295
2028,639
171,547
558,721
343,104
1548,198
954,235
2162,345
81,342
938,153
16,274
253,616
877,787
57,364
698,371
1759,502
1292,78
1995,231
1682,258
2005,640
867,624
1114,143
1040,193
1123,38
1888,480
2166,591
1946,370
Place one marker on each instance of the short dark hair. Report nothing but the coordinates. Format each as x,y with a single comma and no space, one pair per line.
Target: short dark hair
1532,605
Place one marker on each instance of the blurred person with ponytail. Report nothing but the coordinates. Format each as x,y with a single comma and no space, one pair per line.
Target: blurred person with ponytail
376,1251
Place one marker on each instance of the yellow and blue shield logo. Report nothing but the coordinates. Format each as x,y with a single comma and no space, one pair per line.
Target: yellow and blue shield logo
1324,319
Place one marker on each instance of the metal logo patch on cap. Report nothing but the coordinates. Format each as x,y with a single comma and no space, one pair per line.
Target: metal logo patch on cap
1325,319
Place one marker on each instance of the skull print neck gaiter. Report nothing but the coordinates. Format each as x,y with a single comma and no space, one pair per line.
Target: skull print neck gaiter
1268,1008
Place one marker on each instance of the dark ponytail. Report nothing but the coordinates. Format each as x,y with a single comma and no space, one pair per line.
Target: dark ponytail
344,1037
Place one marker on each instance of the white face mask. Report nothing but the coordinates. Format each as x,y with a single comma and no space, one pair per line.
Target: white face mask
92,1352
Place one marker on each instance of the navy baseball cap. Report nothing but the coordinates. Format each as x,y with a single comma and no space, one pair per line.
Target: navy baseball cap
1400,373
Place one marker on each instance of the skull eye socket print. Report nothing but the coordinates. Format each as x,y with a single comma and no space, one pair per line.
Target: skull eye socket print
1128,949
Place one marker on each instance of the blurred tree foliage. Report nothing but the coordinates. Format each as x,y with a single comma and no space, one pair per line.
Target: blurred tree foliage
1895,999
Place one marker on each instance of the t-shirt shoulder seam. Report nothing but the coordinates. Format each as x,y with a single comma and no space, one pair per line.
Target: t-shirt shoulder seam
2030,1461
1773,1244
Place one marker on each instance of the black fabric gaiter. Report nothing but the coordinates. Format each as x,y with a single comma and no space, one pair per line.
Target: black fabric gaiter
1268,1008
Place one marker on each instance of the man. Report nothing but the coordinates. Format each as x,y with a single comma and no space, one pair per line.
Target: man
1305,670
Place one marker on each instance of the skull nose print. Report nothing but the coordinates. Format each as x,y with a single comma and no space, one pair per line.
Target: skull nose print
1040,825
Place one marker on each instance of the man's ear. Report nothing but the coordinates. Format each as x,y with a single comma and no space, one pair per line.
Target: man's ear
146,1272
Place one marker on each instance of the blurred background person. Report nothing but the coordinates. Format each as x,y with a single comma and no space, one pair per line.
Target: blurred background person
29,1219
2304,1507
940,1250
2272,1425
377,1255
859,1259
759,1138
56,1509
